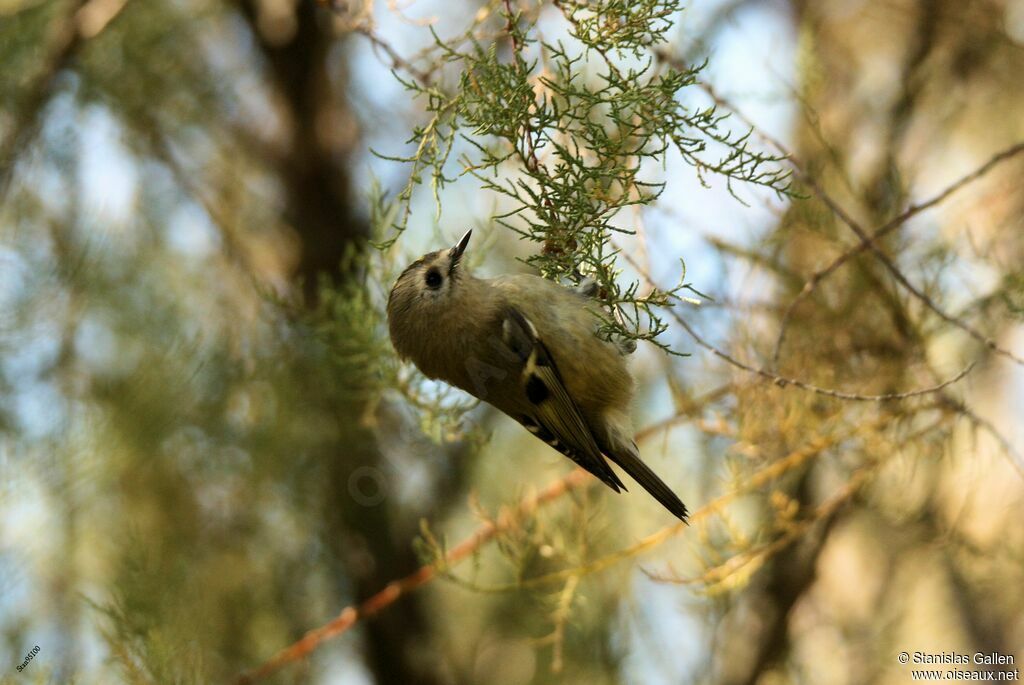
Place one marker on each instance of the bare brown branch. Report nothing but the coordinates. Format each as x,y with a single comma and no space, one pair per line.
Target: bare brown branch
509,518
868,241
885,229
396,589
783,381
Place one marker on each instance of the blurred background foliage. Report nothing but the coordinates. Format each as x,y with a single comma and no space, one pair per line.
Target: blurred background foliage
207,447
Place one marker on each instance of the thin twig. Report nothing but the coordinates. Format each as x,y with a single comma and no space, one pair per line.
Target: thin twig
398,588
718,574
905,282
859,231
766,474
530,156
510,28
783,381
885,229
397,61
486,532
489,530
366,29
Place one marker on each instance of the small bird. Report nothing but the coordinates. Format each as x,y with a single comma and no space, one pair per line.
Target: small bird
528,347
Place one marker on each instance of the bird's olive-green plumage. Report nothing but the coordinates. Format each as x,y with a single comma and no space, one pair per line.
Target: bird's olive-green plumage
528,347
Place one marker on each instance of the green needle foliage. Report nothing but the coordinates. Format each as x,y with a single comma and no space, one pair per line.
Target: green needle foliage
562,130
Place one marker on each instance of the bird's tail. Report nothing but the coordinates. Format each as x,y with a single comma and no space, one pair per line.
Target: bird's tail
628,458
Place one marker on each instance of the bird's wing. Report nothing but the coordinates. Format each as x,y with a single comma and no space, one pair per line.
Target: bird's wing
554,416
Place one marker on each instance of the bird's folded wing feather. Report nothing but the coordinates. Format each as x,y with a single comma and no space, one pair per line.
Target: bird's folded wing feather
554,416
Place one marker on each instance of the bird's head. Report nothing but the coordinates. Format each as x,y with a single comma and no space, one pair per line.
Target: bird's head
427,288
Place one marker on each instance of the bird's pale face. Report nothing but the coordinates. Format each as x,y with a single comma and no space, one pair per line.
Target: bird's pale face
430,281
423,296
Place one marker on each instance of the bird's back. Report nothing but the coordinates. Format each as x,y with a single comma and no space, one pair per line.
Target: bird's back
594,371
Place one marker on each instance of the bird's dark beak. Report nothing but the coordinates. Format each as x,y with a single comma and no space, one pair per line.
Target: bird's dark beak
456,252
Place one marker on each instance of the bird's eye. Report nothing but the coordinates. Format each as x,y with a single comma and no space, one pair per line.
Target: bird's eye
434,279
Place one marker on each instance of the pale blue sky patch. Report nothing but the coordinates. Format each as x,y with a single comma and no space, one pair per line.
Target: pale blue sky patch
191,233
107,175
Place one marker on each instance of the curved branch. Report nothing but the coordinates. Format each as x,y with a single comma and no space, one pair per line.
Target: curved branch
866,240
394,590
489,530
783,381
486,532
818,276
